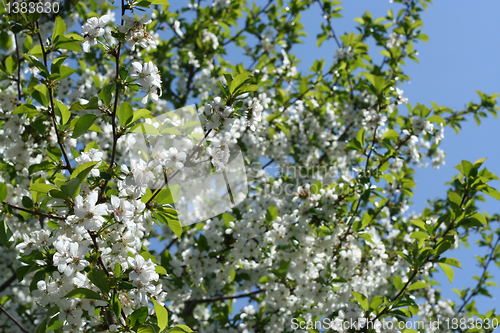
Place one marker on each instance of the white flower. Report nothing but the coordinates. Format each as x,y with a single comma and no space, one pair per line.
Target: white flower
69,256
142,173
142,271
93,29
177,29
93,155
90,213
255,110
176,158
148,76
420,125
220,156
207,36
121,208
135,30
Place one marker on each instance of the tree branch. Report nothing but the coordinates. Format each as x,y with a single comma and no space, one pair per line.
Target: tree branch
51,98
33,212
7,283
14,320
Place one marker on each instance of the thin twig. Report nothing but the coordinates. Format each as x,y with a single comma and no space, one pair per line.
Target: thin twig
328,18
18,69
34,212
222,298
8,282
51,98
177,172
115,106
477,289
14,320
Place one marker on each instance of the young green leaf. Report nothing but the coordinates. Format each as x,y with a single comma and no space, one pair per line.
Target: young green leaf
161,315
83,293
125,114
447,270
3,192
83,123
362,299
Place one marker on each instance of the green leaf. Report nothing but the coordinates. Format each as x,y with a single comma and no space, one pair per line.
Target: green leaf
3,192
237,82
140,315
362,299
105,93
181,329
271,213
64,72
168,195
398,283
172,221
125,114
83,293
161,315
10,64
25,108
417,285
376,302
491,192
436,119
42,327
83,170
59,28
141,113
447,270
5,234
146,329
391,135
83,123
160,270
100,280
42,187
116,305
54,153
64,112
283,128
144,129
361,136
40,94
159,2
71,188
175,225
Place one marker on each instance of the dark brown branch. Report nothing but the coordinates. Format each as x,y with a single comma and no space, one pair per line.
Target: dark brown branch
14,320
170,177
34,212
478,287
51,98
18,69
191,304
328,18
7,283
115,106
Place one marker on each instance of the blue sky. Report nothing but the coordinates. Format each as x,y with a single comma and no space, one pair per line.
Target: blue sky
460,58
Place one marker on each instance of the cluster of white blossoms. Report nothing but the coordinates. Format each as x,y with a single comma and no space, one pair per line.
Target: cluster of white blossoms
148,76
207,36
93,29
136,33
93,155
216,113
